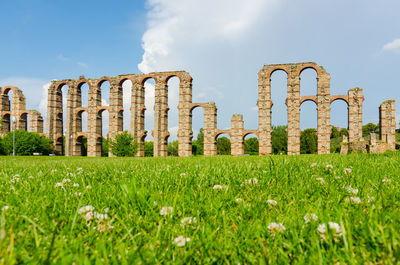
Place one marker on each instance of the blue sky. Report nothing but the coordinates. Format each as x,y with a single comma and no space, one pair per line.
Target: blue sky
223,44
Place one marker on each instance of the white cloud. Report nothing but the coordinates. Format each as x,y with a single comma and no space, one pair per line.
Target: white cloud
61,57
81,64
393,46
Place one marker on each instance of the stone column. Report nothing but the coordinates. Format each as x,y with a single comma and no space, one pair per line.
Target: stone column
210,128
137,114
185,132
116,105
293,108
71,103
163,114
94,120
36,122
159,86
324,110
264,104
237,130
355,114
387,123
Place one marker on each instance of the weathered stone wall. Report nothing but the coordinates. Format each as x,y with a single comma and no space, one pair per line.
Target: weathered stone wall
18,111
387,123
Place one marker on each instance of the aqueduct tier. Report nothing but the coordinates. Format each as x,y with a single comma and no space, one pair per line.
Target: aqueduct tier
73,123
15,107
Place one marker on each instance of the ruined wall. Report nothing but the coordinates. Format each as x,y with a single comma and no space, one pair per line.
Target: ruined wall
387,123
16,107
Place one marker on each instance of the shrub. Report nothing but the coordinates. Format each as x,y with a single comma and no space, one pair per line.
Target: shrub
27,143
124,145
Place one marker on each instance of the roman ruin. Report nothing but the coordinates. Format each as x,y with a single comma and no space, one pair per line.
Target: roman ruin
15,109
69,140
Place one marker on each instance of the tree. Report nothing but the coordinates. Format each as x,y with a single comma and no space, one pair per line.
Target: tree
124,145
308,141
105,146
173,148
2,148
369,128
198,145
251,146
148,148
27,143
223,146
336,139
279,139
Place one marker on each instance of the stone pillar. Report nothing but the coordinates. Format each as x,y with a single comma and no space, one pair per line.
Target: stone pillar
137,115
344,146
54,124
264,104
237,130
94,120
387,123
158,92
293,108
115,107
324,110
36,122
185,132
355,114
210,128
163,114
71,104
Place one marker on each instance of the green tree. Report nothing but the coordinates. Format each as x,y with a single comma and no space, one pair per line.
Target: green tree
279,139
308,141
223,146
251,146
336,139
27,143
173,148
124,145
149,148
198,144
2,148
105,146
369,128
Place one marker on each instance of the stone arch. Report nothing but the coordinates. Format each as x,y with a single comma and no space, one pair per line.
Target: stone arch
25,121
305,66
7,122
59,145
308,98
104,90
81,119
219,133
248,133
78,148
82,99
128,103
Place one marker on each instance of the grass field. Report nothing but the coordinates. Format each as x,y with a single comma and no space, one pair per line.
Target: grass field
305,209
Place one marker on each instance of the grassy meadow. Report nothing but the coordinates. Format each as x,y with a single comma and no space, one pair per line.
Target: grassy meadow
307,209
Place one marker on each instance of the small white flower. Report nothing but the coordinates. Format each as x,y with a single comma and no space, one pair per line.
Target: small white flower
180,241
65,181
100,216
320,180
220,187
30,177
79,169
54,170
88,187
5,208
347,171
272,202
310,217
313,165
276,228
329,166
370,199
183,175
350,190
155,203
386,180
15,179
59,185
76,185
106,210
167,210
238,200
78,194
253,181
188,221
85,209
334,227
354,200
338,177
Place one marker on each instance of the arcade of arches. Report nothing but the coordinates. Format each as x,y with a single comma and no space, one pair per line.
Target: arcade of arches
73,132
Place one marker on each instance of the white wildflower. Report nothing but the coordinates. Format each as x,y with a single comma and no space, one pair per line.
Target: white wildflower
30,177
83,210
334,227
386,180
275,228
183,175
100,216
59,185
238,200
78,194
338,177
320,180
272,202
79,169
220,187
329,166
106,210
88,216
180,241
65,181
253,181
5,208
310,217
15,179
313,165
347,171
354,200
88,187
350,190
188,221
370,199
76,185
167,210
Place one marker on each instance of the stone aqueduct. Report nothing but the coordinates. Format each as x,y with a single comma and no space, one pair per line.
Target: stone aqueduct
73,124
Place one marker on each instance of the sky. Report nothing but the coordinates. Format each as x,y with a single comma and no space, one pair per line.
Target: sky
221,43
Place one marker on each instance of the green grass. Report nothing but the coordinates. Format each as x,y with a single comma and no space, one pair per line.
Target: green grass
42,224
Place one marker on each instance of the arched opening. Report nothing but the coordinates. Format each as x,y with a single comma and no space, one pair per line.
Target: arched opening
24,122
339,122
82,121
126,104
59,148
223,141
250,141
62,96
81,146
147,116
308,126
308,82
7,126
9,93
173,114
83,90
279,136
105,93
198,130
